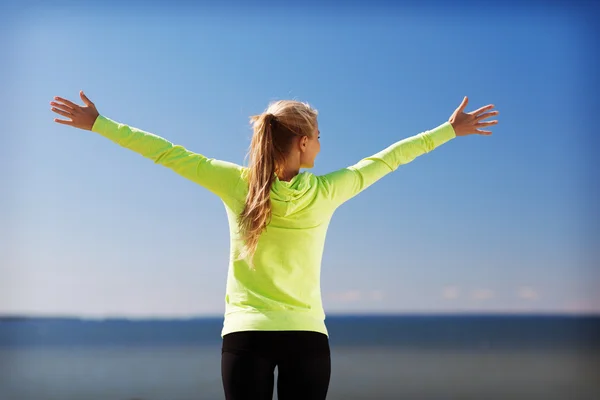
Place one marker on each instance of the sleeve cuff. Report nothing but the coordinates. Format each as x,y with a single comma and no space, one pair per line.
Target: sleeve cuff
442,134
104,126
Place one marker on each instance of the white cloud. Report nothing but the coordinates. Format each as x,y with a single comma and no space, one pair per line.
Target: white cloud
527,293
582,306
482,294
347,296
450,292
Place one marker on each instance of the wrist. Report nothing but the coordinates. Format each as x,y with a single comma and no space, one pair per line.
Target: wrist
456,128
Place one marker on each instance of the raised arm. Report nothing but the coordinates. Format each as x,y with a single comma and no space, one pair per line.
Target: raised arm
220,177
346,183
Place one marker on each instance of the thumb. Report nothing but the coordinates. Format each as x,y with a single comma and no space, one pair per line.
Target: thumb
463,105
85,99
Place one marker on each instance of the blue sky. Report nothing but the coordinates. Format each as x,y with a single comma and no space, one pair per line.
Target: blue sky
483,224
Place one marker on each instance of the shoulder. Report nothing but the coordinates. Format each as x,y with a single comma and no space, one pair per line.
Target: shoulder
321,182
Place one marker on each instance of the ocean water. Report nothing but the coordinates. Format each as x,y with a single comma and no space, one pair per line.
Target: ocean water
476,357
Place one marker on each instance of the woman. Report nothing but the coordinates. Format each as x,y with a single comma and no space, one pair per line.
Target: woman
278,219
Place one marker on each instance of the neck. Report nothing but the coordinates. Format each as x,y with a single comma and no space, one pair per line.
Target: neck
290,169
287,174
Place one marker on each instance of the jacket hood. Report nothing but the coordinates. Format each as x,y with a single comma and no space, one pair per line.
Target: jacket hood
290,197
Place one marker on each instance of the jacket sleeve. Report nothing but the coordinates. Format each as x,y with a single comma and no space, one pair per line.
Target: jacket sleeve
346,183
220,177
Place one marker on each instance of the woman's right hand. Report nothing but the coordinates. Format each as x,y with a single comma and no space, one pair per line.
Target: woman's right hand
469,123
81,117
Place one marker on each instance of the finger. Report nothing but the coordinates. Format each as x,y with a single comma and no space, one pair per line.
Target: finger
62,121
464,103
67,102
63,113
480,132
487,123
482,109
486,115
63,107
85,99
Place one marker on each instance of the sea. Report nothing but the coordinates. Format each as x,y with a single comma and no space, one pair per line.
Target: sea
418,357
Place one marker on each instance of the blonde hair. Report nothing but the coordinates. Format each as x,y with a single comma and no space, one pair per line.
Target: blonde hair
272,140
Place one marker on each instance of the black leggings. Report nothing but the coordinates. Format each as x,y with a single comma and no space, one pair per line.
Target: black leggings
248,361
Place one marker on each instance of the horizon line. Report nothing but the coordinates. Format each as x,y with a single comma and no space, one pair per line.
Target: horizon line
4,316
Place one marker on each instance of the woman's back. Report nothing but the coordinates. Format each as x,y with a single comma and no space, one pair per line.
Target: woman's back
287,260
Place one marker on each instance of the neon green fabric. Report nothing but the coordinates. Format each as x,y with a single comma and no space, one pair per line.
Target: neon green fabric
284,290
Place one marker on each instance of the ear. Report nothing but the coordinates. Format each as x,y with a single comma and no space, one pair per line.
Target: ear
303,143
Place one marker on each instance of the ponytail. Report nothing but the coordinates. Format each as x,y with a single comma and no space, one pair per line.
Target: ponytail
261,174
272,140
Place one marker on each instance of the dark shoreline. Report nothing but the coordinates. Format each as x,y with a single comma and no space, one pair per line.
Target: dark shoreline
330,316
528,332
